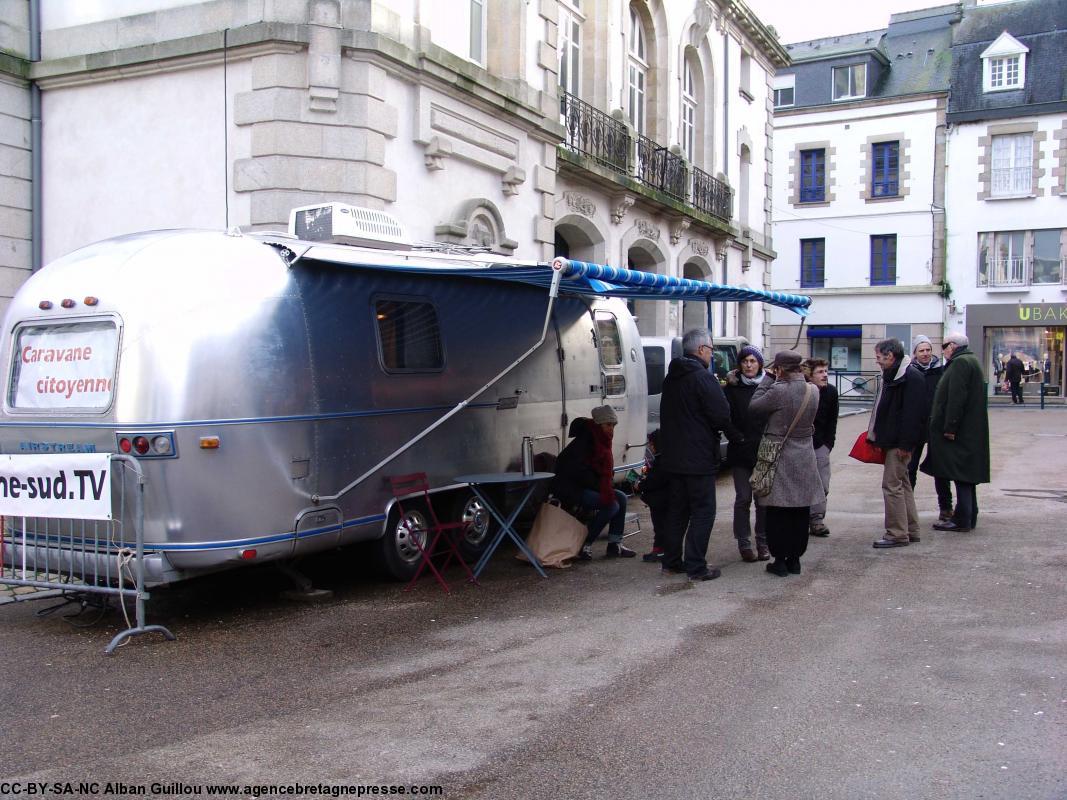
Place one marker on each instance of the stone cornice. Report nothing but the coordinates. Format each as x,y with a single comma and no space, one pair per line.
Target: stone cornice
167,56
740,14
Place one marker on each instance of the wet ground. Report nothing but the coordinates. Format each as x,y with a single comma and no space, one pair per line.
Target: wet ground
932,671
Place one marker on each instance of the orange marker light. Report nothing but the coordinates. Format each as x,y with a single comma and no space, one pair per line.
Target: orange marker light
44,305
209,443
68,303
90,301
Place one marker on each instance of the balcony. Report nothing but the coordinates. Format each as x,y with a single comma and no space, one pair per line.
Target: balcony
1010,273
610,144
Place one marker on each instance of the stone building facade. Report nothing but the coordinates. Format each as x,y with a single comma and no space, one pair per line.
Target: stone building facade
526,127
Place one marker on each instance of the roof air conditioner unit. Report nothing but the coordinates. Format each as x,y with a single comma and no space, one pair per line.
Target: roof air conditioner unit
345,224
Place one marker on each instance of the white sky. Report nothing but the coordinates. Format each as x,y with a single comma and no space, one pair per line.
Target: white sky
802,20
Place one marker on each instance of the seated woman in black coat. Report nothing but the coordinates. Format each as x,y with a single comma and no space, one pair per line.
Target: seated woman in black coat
584,474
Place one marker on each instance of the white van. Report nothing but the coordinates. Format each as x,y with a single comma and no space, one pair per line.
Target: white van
659,350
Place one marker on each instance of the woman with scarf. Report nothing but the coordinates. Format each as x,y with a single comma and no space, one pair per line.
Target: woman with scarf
923,358
744,439
584,474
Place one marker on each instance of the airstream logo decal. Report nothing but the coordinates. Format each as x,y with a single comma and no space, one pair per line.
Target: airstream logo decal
65,366
1043,313
56,447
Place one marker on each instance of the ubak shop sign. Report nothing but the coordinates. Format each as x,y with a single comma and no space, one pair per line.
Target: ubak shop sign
66,486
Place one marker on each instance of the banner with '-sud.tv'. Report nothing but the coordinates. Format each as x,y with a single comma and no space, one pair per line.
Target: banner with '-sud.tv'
66,486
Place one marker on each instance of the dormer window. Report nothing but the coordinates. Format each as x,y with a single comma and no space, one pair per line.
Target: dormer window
850,83
1004,64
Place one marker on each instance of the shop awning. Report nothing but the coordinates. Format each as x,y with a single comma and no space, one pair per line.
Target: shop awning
835,332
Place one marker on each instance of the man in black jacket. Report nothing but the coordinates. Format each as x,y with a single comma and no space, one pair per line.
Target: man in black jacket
824,437
897,428
693,411
1013,372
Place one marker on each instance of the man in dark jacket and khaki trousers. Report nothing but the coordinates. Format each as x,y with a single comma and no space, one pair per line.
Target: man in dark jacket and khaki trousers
897,428
693,411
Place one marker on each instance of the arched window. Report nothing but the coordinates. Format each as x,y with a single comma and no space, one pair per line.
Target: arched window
637,72
689,112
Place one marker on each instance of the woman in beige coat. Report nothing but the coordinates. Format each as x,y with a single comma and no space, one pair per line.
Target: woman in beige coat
796,485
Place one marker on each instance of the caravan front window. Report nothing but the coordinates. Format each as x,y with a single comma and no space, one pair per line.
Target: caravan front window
409,336
608,339
68,367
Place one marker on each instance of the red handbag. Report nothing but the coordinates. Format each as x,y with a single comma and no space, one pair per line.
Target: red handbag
866,452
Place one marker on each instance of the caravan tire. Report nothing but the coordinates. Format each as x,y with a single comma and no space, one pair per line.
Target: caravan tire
399,556
469,508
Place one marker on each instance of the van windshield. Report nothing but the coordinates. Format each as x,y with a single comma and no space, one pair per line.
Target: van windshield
68,366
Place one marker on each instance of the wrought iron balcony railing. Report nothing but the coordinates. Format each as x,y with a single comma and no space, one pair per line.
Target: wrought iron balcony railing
609,143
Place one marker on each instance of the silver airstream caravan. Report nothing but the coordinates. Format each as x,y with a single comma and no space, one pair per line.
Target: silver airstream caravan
269,383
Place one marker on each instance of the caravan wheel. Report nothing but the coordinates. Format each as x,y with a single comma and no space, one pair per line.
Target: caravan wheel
399,553
471,510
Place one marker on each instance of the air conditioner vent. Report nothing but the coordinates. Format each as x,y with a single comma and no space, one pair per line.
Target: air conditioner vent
345,224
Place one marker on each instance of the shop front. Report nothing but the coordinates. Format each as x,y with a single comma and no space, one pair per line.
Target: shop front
1034,332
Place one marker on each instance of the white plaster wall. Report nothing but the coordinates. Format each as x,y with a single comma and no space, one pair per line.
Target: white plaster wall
67,13
139,154
852,309
426,198
969,216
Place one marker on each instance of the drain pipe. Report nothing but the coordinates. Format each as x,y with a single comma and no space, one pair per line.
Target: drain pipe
36,194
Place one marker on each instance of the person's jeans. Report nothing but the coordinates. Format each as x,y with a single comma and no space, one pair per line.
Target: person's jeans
742,503
822,461
966,515
692,514
614,512
901,518
943,486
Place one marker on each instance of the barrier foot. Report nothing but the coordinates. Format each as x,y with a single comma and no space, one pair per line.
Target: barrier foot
131,632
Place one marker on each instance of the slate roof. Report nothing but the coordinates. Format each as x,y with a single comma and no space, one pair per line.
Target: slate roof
1041,25
916,49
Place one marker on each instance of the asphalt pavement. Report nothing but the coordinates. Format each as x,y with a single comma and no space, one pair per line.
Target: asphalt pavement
932,671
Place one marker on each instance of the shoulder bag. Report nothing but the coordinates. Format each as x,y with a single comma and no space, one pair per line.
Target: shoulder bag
770,450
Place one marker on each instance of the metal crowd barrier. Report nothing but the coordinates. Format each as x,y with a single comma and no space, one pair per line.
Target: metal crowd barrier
855,387
86,556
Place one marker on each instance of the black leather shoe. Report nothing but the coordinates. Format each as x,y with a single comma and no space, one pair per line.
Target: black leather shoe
586,553
950,526
883,543
710,574
616,550
778,567
819,530
793,565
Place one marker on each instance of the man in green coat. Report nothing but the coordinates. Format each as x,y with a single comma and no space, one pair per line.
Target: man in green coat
959,432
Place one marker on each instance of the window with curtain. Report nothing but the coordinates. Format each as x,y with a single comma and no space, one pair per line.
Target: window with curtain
637,72
885,178
850,82
884,260
409,337
1012,167
812,176
812,263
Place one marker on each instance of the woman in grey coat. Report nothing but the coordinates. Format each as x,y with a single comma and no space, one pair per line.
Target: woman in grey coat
796,485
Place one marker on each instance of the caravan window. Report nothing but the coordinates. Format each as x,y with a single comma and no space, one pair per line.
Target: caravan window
409,337
608,339
68,367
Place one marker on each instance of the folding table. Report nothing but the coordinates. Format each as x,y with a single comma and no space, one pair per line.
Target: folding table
476,482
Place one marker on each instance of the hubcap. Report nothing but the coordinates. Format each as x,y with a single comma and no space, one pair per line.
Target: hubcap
411,527
476,518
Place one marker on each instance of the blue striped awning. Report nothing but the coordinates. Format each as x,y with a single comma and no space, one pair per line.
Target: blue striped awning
578,277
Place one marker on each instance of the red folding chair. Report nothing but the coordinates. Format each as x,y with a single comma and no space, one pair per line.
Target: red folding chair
409,488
